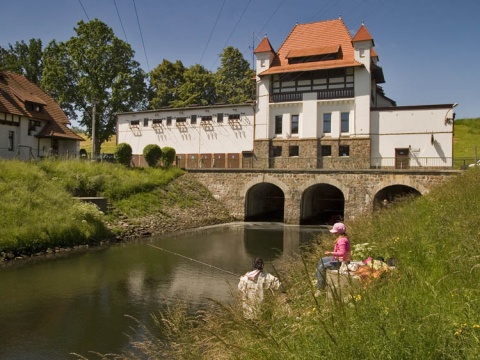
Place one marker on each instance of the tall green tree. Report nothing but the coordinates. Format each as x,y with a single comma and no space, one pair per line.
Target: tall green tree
24,59
94,70
165,81
197,89
234,80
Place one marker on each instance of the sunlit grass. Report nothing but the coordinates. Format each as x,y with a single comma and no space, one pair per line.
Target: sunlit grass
39,210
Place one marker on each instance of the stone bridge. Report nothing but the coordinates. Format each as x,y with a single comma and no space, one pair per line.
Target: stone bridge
313,196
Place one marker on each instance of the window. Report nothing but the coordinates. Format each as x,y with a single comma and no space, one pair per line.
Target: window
345,122
344,150
327,123
294,124
234,117
32,126
278,124
220,118
277,151
145,122
11,138
193,119
134,123
207,118
326,150
293,150
169,120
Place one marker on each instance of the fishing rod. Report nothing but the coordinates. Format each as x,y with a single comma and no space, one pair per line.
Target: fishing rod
197,261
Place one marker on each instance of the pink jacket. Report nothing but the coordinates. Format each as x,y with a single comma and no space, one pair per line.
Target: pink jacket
342,249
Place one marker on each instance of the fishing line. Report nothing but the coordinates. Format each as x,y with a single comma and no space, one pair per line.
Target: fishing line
197,261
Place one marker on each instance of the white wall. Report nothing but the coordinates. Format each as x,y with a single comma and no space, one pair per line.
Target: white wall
188,138
412,127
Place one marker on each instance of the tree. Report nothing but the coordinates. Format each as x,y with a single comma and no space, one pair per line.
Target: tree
152,154
198,87
234,79
24,59
165,81
94,70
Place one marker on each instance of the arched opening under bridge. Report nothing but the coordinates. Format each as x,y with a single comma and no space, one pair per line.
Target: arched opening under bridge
322,204
265,202
393,194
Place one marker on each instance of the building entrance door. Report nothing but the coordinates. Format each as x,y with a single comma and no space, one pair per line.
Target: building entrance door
402,158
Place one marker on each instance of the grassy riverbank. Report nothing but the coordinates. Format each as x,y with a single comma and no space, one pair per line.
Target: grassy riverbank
39,212
428,308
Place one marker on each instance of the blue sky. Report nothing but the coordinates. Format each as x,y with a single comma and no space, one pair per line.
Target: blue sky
429,49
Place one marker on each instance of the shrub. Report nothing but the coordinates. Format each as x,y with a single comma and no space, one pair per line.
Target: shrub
123,154
152,153
168,156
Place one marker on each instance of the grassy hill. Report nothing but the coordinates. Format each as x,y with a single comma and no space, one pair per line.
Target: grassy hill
466,141
107,147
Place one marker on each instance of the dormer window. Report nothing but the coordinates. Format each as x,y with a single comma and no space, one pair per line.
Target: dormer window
31,106
323,53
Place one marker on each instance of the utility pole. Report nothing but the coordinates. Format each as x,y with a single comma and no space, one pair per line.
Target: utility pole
94,138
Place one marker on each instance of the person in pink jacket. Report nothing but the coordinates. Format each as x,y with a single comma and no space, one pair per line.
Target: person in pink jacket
341,253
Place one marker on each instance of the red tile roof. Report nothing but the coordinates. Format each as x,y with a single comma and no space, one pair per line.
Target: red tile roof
264,46
363,35
16,89
305,37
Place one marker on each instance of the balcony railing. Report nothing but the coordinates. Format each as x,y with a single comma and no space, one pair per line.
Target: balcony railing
335,94
321,95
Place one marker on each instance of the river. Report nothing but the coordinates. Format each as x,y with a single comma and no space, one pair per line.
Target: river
85,300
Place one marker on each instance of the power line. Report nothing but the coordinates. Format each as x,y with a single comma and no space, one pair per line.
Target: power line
119,18
213,29
234,28
85,11
141,35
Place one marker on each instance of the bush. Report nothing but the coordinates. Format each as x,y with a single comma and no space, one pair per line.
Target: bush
168,156
123,154
152,153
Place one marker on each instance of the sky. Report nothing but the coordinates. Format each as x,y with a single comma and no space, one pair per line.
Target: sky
429,49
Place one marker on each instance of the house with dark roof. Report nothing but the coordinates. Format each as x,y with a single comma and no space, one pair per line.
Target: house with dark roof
319,104
32,124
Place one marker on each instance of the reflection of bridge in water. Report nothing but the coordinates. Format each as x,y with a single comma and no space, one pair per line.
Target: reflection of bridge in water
314,196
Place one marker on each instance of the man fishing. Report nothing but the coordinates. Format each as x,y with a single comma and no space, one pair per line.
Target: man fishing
251,288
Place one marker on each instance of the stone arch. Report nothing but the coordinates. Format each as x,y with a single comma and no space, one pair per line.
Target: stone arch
265,199
321,204
388,195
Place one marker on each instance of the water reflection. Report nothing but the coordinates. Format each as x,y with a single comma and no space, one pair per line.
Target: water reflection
77,303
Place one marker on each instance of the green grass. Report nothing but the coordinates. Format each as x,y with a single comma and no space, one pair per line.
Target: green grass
39,210
466,141
107,147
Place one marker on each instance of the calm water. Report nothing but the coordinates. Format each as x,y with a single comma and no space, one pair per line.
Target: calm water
83,301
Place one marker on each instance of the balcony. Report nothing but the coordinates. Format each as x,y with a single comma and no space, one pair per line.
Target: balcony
321,95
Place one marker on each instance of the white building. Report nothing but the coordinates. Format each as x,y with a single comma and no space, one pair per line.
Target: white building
202,136
32,124
318,105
